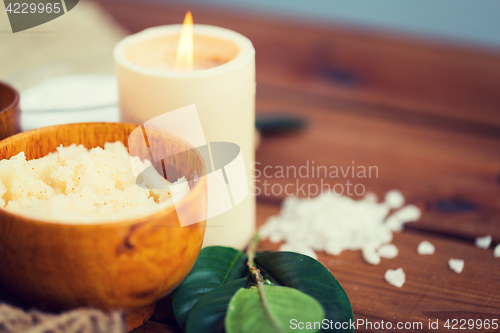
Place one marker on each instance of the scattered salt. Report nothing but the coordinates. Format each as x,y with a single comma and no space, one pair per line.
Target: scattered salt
496,253
334,223
408,213
395,277
394,199
426,248
275,237
483,242
371,256
371,197
333,248
456,265
388,251
404,215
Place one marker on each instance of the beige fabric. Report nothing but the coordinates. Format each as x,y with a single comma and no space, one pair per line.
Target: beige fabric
14,320
85,31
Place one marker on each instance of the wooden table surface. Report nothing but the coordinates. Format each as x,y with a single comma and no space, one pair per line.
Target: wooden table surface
426,113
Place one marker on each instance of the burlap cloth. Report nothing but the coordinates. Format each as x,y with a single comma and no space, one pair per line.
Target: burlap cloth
85,31
15,320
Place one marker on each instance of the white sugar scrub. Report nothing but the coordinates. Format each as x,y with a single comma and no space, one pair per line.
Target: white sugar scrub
334,223
425,248
395,277
388,251
80,185
483,242
456,265
496,252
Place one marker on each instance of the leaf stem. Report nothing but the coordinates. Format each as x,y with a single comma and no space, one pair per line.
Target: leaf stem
251,250
267,308
259,280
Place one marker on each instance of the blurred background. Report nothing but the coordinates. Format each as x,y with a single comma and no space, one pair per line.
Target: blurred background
432,66
432,54
409,86
463,21
427,64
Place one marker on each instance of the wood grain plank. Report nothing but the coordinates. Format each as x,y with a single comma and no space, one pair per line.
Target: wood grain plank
164,313
415,149
153,327
428,165
389,70
424,112
432,290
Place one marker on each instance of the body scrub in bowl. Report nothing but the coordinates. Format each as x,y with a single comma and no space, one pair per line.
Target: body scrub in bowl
59,252
80,185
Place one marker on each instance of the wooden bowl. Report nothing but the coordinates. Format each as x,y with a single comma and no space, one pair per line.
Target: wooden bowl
125,265
9,111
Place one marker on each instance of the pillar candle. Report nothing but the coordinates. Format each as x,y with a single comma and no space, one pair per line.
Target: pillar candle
222,86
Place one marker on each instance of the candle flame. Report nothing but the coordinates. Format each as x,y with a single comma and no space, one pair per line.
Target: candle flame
184,57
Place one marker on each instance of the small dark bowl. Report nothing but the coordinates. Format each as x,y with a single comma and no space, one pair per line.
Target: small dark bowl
9,111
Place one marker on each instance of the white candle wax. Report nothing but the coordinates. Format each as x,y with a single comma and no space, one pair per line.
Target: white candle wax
222,86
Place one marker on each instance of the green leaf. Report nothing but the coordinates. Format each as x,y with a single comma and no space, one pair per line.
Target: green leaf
272,309
311,277
208,313
216,266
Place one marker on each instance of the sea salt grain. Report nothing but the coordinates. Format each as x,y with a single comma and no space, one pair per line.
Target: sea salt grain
395,277
370,256
394,199
483,242
408,213
334,223
388,251
371,197
496,253
456,265
426,248
404,215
